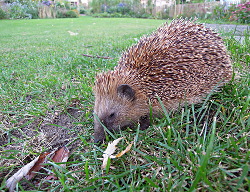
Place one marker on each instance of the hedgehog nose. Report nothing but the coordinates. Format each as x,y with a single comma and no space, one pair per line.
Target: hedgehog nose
98,141
99,137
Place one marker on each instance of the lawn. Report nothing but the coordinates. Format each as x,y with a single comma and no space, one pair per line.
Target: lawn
46,101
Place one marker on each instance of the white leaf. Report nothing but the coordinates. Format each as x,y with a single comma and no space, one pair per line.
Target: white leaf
109,151
28,171
12,181
72,33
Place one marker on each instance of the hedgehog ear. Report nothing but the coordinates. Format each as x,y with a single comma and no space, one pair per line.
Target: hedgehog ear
125,90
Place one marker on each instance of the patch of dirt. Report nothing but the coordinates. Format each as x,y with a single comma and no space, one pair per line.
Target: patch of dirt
43,134
23,141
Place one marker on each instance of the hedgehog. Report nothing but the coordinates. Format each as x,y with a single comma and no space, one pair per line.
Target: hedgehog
179,63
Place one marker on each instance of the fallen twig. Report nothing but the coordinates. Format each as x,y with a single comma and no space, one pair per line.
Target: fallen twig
97,56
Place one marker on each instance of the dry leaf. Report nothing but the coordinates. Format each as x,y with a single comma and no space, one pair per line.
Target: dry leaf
108,153
61,155
28,171
51,177
72,33
125,150
12,181
37,166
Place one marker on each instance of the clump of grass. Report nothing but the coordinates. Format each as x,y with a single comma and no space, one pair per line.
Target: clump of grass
201,147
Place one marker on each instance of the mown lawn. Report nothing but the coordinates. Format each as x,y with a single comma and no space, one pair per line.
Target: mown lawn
46,101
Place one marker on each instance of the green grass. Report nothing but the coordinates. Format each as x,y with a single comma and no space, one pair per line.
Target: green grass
45,82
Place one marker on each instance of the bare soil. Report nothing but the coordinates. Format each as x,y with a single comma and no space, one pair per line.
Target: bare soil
44,134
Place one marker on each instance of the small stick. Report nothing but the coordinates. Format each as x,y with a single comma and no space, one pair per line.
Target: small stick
92,56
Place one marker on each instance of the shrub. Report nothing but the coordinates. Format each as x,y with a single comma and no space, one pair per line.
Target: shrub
105,14
60,13
32,9
82,11
72,14
220,12
3,14
60,4
120,8
18,11
33,13
113,8
66,4
241,13
64,13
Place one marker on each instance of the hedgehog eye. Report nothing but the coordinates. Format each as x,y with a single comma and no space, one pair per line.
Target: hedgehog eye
112,115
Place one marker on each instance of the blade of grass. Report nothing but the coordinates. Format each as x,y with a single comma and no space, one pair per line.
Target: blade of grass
201,173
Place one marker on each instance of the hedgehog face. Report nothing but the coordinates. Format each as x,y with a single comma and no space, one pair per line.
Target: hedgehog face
114,111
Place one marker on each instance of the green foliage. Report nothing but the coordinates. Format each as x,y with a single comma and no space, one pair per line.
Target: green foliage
196,1
16,10
100,6
108,15
118,9
64,13
60,13
219,13
26,9
239,13
72,14
3,14
33,12
63,4
82,10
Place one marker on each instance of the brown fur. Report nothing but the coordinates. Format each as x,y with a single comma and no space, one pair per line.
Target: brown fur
182,61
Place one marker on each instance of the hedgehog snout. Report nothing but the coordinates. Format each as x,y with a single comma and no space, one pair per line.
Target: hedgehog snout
106,120
99,135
